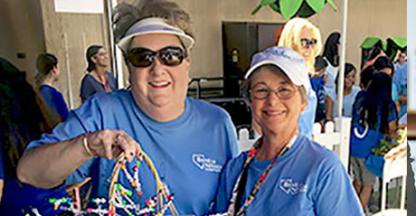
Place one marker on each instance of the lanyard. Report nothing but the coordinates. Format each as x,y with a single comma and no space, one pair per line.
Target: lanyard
238,187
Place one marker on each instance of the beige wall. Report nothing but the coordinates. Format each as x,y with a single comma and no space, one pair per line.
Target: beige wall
381,18
33,27
68,35
21,31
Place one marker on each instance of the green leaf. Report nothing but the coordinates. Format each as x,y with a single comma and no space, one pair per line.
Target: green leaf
399,41
316,5
369,42
289,7
267,2
275,7
262,3
384,45
331,2
256,9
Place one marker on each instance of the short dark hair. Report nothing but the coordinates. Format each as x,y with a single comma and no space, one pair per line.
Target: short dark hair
383,62
45,63
320,63
92,51
366,76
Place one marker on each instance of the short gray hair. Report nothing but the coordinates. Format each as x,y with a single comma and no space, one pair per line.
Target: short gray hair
125,15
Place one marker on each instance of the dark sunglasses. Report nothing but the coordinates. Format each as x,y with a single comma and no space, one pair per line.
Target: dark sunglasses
169,56
306,43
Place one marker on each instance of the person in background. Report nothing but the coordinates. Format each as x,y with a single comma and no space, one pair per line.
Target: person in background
401,60
400,80
23,117
375,109
365,77
154,114
384,64
318,80
375,53
98,79
349,94
331,56
48,75
284,173
303,37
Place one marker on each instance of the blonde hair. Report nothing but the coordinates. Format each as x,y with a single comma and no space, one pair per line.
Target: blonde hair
290,37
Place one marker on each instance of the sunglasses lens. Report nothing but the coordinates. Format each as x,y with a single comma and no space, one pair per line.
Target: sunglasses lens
171,56
140,57
304,42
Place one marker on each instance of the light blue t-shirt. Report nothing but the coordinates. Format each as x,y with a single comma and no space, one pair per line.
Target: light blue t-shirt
331,73
188,152
394,92
307,117
400,81
306,180
347,102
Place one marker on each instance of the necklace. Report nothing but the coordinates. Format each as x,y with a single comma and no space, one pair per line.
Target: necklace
232,207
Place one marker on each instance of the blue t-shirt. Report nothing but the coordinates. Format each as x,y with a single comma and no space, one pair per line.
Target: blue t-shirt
19,198
54,100
188,152
347,102
91,86
400,81
307,117
320,186
318,86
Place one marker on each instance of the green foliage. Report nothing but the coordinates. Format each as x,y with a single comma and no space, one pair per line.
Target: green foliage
292,8
390,46
289,8
385,145
370,42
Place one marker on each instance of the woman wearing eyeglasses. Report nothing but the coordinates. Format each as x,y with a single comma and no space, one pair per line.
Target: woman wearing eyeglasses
189,141
284,173
303,37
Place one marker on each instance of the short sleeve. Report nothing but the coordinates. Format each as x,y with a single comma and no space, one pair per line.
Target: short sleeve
340,200
87,87
80,121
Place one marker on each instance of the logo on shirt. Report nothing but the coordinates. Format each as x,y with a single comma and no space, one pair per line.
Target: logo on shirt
292,188
205,163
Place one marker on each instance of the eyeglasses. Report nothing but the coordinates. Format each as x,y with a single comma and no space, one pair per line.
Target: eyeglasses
306,43
169,56
262,91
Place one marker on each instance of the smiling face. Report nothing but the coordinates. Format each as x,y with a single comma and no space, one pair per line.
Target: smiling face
101,59
159,88
349,80
306,51
274,115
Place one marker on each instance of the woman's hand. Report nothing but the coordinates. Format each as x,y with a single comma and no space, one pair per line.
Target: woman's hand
110,144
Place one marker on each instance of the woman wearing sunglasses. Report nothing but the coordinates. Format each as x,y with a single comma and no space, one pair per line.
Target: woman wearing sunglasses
303,37
284,173
188,140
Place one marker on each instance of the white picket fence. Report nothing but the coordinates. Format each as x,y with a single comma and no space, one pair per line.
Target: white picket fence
335,139
332,138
